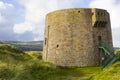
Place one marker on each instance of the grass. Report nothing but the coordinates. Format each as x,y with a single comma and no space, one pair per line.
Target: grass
11,61
48,71
18,65
35,54
111,73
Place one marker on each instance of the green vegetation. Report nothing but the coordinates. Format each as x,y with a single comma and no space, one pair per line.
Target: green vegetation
18,65
35,55
111,73
117,51
11,61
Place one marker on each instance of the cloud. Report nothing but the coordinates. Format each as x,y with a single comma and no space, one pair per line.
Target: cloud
5,5
9,15
3,8
27,36
21,19
18,17
2,19
23,27
35,11
6,12
116,36
113,7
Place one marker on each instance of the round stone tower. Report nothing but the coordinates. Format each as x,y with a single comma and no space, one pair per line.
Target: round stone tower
72,35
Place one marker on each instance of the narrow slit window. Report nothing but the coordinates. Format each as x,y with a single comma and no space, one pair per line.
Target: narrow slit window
99,38
98,13
78,11
57,45
45,41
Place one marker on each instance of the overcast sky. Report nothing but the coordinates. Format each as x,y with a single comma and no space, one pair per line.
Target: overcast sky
23,20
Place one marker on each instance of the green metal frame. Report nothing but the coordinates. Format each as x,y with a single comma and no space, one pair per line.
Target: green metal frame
110,52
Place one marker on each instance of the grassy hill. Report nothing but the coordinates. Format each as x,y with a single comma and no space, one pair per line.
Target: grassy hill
18,65
11,59
25,46
111,73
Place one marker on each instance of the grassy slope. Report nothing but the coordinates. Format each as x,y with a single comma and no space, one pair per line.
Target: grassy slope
11,60
111,73
17,65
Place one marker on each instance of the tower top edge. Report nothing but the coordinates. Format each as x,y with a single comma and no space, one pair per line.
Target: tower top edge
76,9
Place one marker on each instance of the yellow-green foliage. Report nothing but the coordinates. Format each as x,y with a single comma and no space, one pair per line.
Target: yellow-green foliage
11,61
29,66
17,65
35,54
117,51
6,47
111,73
11,54
47,71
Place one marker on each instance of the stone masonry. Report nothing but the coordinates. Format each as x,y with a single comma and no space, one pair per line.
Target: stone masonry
72,35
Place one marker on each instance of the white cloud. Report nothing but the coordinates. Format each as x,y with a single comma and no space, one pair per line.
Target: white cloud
5,5
5,11
2,5
23,27
36,11
116,37
2,19
11,13
113,7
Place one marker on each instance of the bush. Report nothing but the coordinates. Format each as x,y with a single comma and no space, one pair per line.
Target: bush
35,54
10,48
6,73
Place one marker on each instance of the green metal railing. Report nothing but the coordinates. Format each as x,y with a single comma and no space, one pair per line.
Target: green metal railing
113,58
106,49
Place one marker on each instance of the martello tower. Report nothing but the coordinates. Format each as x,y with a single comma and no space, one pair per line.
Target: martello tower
72,35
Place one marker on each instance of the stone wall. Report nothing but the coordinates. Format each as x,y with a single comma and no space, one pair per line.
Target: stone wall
71,37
